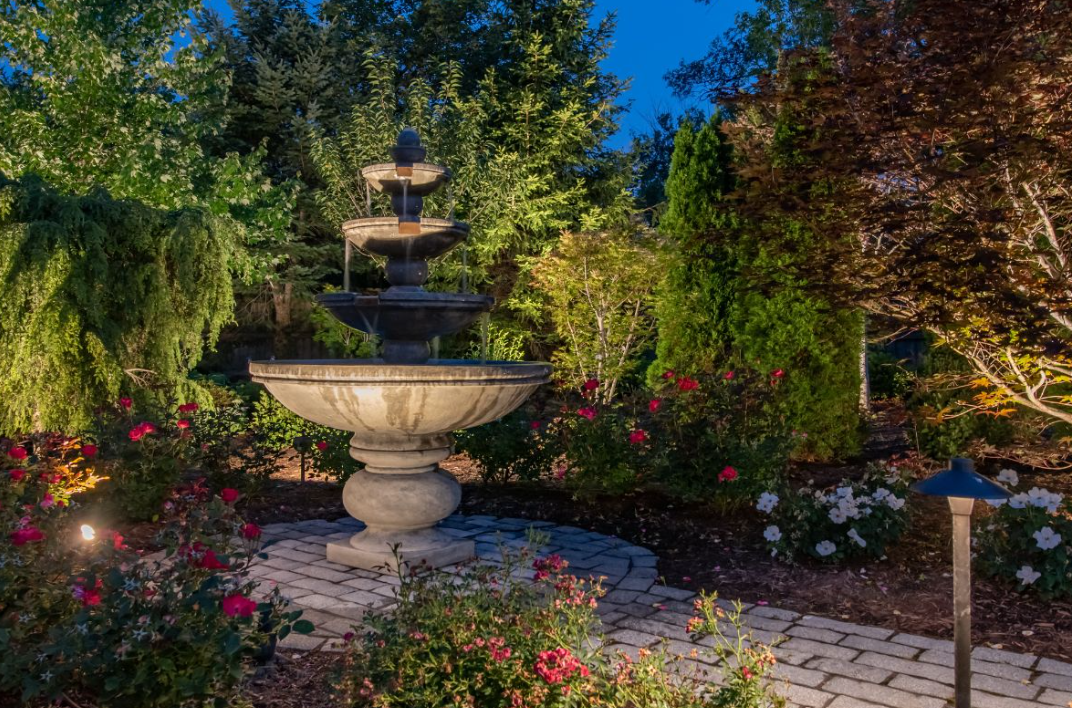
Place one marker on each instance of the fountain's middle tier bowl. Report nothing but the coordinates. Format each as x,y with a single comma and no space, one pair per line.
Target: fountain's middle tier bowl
381,236
380,401
406,315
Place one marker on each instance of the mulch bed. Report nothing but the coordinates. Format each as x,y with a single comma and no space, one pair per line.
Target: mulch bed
700,548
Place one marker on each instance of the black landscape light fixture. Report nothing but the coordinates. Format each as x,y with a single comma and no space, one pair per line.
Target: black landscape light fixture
961,485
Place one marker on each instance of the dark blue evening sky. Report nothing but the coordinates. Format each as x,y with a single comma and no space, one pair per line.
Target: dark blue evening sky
652,37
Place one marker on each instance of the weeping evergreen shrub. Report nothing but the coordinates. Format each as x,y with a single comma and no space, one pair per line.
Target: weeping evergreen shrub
101,298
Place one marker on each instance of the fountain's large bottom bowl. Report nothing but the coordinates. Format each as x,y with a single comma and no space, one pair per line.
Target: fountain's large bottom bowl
377,400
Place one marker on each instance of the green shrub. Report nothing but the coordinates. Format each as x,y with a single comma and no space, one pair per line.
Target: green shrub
596,444
1028,540
493,638
719,439
230,452
100,296
854,519
145,456
515,447
92,617
724,440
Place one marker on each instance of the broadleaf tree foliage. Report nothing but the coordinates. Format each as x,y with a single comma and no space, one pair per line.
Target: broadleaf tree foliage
934,159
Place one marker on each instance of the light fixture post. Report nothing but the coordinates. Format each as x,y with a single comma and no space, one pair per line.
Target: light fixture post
961,485
962,509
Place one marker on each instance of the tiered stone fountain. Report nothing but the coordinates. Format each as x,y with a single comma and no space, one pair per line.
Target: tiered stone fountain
402,407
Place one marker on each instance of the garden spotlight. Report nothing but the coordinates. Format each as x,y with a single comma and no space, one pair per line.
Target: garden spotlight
961,485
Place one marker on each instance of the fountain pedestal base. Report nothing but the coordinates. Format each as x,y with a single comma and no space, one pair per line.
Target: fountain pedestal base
401,506
373,551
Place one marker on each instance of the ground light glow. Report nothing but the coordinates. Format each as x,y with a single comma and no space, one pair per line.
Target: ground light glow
88,533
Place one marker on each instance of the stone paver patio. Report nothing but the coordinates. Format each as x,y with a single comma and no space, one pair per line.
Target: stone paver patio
826,663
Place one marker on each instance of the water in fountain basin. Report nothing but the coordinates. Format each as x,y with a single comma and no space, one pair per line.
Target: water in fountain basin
485,320
465,268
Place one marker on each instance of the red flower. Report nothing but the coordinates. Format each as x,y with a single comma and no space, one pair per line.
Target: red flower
746,673
26,535
686,384
668,374
117,541
16,475
126,402
17,453
499,651
229,495
238,606
534,425
653,404
587,412
558,665
544,567
88,596
140,430
89,450
637,436
251,531
728,376
210,561
322,445
188,407
778,373
727,475
182,424
591,384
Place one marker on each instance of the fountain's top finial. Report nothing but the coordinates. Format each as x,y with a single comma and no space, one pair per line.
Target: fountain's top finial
408,147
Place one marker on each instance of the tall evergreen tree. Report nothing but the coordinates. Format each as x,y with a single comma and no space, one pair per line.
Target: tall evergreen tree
697,292
290,80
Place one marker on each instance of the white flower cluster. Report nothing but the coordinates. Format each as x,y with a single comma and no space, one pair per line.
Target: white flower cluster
767,502
842,505
845,505
1036,497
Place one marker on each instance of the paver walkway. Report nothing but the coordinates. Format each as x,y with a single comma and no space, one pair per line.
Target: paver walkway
825,663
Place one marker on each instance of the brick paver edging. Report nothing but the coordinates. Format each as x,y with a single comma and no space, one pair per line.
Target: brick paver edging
824,663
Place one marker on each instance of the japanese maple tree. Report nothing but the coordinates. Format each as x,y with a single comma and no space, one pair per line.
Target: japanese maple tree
931,145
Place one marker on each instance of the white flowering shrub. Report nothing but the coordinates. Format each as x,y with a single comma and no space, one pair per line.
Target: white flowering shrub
854,519
1028,540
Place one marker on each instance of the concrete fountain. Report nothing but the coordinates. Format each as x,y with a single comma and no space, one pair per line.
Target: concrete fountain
402,407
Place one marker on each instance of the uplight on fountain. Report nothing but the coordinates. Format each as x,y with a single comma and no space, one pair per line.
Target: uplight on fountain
403,407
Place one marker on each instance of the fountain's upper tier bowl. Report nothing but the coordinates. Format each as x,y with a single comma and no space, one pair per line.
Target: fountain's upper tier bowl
405,314
380,235
376,400
419,179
